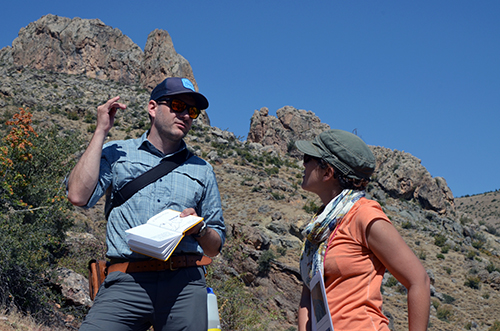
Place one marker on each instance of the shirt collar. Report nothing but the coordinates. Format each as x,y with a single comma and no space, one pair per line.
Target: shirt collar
146,145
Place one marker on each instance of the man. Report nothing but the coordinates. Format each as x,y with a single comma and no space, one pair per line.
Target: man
173,295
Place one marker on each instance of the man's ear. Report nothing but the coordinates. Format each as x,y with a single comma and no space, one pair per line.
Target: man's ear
152,108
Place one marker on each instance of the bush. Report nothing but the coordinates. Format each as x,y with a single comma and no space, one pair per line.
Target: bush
491,267
34,213
443,313
439,240
448,298
311,207
491,229
473,282
391,281
479,242
265,260
495,326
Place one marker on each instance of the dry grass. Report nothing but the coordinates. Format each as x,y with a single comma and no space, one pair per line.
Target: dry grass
15,321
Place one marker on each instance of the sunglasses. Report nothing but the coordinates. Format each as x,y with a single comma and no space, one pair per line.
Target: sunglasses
178,106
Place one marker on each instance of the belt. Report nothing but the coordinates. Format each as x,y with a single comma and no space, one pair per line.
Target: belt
173,263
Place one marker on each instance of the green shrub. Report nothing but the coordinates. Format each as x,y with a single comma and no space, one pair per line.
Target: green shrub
471,255
465,220
443,313
406,225
277,196
495,326
391,281
491,267
491,229
439,240
272,171
34,212
479,241
448,298
265,260
311,207
473,282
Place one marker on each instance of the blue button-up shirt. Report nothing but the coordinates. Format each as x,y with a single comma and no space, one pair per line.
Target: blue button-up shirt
191,185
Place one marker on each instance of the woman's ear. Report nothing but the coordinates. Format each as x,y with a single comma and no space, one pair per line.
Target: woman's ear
329,173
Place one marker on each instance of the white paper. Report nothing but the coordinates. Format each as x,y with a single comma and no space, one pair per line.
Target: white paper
320,313
161,234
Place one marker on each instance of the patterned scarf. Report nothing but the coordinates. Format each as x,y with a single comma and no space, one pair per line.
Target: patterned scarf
319,229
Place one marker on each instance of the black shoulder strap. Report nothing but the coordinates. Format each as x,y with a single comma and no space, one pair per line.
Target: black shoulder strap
148,177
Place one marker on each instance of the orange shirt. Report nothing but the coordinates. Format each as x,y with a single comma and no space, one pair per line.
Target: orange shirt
353,275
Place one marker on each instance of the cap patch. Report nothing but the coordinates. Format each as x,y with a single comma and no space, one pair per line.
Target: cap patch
187,84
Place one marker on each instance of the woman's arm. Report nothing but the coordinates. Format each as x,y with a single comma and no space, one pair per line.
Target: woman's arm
386,243
304,310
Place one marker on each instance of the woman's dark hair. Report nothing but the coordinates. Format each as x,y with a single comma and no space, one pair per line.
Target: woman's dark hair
344,181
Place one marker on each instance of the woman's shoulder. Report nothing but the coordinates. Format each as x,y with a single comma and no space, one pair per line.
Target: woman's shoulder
366,210
362,214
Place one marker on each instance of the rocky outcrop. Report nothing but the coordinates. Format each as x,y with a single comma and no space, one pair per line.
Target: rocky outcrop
401,175
161,60
78,46
73,286
281,132
91,48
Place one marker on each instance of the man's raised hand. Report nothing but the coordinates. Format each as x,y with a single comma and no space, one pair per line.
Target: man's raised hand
106,113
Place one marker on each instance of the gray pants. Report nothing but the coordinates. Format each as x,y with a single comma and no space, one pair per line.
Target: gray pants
167,300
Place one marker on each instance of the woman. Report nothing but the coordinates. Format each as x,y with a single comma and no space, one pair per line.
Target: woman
351,241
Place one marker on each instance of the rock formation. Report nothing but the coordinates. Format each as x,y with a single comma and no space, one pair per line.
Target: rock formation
402,175
399,174
89,47
78,46
161,60
290,125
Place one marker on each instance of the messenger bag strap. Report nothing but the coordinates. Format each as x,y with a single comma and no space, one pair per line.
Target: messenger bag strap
148,177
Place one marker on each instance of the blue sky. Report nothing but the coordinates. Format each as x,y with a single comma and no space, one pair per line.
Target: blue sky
421,77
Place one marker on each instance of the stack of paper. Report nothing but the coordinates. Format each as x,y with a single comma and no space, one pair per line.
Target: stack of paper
161,234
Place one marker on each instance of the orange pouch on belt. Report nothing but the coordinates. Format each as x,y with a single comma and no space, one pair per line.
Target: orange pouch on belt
97,273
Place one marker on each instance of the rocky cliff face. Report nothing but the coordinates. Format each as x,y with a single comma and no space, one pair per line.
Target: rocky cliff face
78,46
161,60
281,132
399,174
91,48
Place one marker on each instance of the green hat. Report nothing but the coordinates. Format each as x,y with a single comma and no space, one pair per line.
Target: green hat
345,151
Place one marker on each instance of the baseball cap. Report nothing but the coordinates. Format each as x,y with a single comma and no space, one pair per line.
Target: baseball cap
343,150
177,85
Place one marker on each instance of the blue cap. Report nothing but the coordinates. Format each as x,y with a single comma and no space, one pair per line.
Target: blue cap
209,290
177,85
